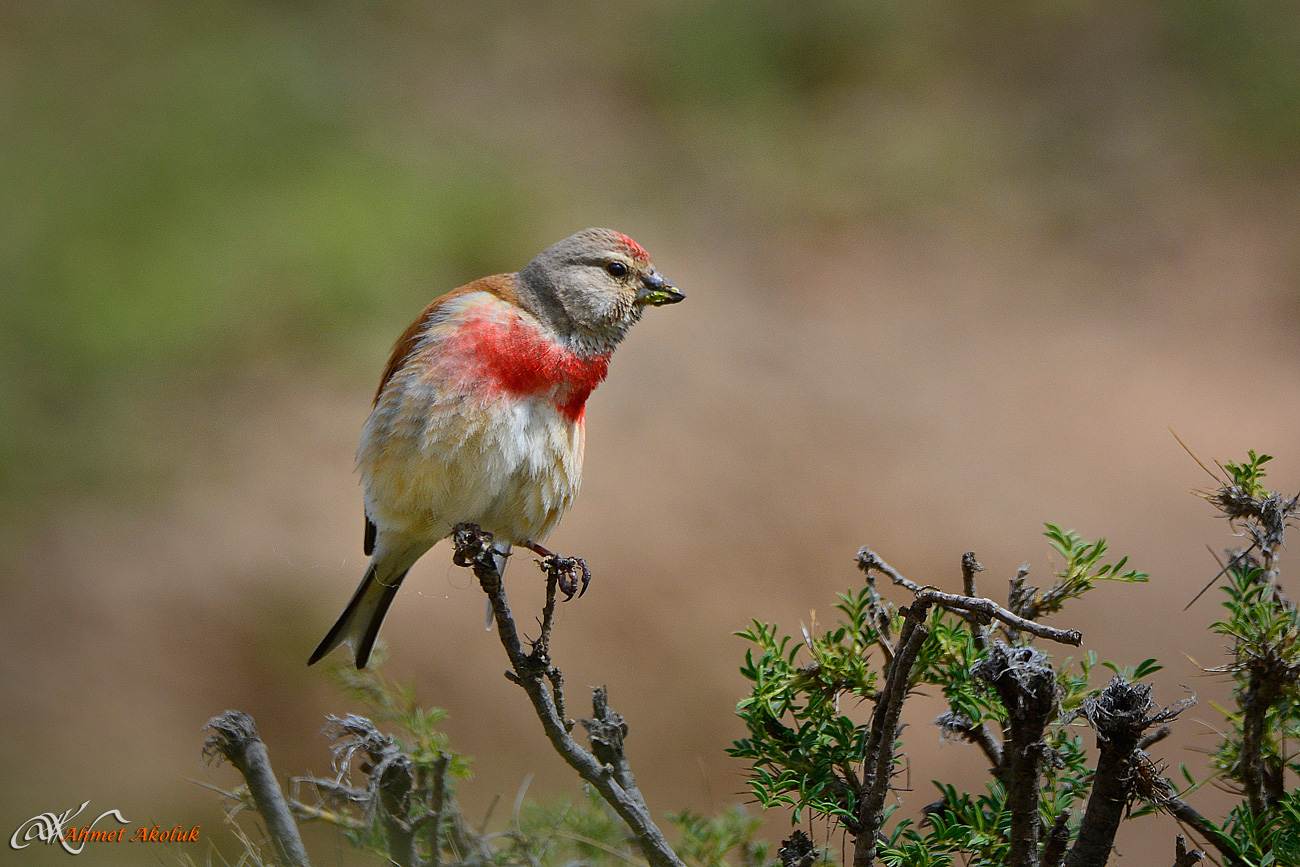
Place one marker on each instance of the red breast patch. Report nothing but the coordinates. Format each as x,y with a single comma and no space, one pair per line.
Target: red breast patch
506,355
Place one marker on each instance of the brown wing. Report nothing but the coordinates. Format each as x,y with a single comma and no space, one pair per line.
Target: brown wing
501,285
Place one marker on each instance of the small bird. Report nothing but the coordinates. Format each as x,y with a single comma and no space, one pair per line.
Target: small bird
479,415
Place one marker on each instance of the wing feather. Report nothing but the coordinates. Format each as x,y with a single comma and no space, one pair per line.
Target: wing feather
368,545
503,286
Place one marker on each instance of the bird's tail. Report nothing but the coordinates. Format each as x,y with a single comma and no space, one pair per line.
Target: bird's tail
358,625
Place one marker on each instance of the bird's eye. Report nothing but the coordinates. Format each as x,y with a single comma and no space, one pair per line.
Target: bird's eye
616,269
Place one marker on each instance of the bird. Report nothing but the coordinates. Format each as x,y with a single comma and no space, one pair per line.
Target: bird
479,417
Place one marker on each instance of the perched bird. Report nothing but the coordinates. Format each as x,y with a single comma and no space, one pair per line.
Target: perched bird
479,415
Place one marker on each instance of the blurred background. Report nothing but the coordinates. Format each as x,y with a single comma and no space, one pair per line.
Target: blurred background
953,269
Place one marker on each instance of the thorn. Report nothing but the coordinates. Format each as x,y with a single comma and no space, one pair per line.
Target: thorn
1231,563
1195,458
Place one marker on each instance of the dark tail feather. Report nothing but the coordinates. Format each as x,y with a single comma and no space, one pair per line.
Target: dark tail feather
358,625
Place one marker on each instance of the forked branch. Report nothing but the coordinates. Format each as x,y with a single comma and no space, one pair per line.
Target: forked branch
969,606
607,770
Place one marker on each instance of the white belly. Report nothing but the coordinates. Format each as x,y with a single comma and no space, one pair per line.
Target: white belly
430,462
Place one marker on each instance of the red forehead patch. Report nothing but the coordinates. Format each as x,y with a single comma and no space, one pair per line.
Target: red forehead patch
638,252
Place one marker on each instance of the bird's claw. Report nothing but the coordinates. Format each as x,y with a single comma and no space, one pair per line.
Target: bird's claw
569,572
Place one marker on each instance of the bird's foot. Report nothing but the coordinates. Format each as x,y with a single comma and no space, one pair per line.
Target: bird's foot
571,573
473,547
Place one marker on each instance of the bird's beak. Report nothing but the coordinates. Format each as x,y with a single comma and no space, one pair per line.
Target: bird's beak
656,291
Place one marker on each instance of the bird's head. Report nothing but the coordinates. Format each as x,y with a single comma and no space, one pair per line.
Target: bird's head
592,286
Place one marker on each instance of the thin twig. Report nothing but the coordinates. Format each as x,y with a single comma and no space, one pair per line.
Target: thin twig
308,813
983,738
990,608
1208,471
1154,738
596,844
1191,817
969,568
1219,574
869,561
1183,858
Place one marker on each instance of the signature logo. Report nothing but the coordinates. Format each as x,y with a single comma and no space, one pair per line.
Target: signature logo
50,828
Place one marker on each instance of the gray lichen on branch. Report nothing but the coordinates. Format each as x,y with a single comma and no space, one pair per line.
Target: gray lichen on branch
1120,714
1025,683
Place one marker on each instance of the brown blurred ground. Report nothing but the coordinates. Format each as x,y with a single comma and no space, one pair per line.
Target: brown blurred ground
927,383
926,399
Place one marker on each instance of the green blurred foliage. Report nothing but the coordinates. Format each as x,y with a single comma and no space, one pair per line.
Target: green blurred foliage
188,189
1242,58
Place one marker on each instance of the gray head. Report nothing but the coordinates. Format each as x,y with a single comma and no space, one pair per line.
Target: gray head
590,288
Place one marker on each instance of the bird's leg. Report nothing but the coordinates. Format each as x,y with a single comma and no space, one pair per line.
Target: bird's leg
537,549
569,571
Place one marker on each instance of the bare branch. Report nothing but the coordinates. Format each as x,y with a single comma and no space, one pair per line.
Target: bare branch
1189,816
1025,683
236,740
304,812
1120,715
1154,738
533,670
1183,858
878,758
983,738
969,568
1020,600
953,724
991,609
1233,562
606,731
869,561
1056,841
